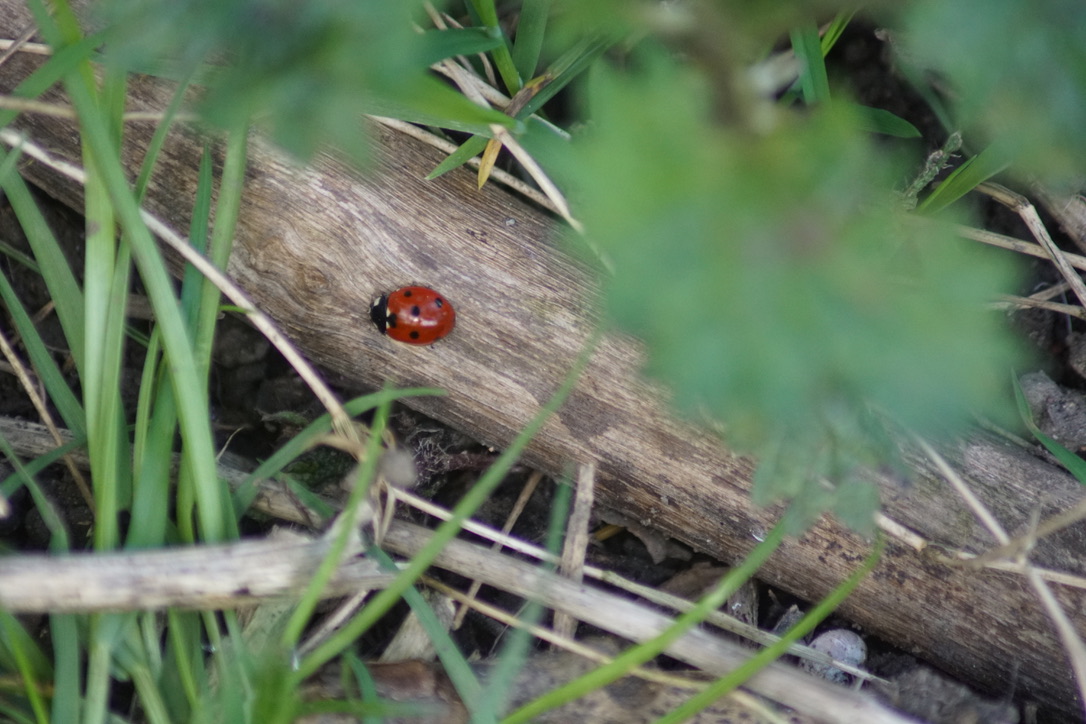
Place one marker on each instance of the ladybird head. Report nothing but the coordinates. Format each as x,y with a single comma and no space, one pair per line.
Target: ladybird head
379,313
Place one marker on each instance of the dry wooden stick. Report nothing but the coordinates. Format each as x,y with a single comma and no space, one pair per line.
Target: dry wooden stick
1069,210
30,440
1009,301
1010,243
575,547
518,507
24,376
636,622
1025,210
1076,650
196,577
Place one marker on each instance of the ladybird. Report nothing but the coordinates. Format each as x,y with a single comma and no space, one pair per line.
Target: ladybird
414,315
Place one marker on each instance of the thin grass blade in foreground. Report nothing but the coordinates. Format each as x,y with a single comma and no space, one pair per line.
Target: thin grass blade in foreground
638,655
804,626
192,407
380,604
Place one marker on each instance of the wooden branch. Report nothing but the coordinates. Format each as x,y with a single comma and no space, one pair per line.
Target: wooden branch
29,440
315,244
637,622
199,578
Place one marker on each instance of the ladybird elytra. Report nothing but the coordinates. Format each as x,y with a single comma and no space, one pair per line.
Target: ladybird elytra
413,315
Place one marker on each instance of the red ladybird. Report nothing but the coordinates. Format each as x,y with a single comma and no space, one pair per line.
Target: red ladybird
415,315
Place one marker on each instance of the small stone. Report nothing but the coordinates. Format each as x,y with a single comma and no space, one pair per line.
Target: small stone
842,645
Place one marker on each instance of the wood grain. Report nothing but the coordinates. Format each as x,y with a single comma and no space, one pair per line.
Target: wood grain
315,244
195,578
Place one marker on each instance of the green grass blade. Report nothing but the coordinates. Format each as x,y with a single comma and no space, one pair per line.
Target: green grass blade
14,254
14,714
156,427
222,242
185,651
162,130
68,662
310,435
877,120
517,646
367,687
56,386
9,167
475,497
64,290
106,283
16,643
1074,464
433,103
567,67
200,307
28,470
135,655
61,29
62,62
149,694
503,59
531,29
635,656
27,660
191,395
570,65
975,171
829,39
834,30
58,534
96,689
192,281
453,662
467,150
766,656
344,528
441,44
156,416
812,74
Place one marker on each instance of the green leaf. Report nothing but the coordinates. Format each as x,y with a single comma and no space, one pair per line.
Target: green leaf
308,70
835,29
441,44
807,46
569,66
1017,69
751,666
1074,464
531,29
486,11
877,120
649,649
467,151
965,178
774,282
431,102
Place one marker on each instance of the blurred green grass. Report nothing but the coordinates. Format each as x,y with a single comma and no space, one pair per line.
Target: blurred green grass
775,281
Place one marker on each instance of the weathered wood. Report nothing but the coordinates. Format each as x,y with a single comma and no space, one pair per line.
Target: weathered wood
202,578
316,244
